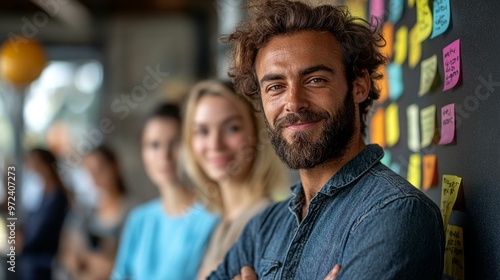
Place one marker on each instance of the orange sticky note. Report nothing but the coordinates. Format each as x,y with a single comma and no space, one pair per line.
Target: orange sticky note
429,168
377,127
388,33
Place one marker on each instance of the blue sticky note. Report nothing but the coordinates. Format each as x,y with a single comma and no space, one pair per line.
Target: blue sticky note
395,77
395,167
395,10
441,14
386,160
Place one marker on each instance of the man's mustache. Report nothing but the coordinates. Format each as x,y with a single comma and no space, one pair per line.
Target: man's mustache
305,116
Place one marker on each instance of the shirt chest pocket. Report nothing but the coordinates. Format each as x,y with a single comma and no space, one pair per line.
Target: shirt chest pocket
268,269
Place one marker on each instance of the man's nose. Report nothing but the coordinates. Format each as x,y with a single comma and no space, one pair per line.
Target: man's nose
296,100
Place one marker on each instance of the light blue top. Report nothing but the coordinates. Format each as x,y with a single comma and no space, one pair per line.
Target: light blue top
155,245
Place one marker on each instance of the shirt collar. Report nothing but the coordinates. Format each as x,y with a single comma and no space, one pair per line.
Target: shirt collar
351,171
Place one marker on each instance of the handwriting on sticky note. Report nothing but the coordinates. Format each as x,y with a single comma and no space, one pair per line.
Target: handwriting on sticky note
441,14
388,34
413,128
428,125
424,20
401,45
415,49
429,168
451,61
449,191
414,173
395,77
428,68
447,124
395,10
454,252
377,127
392,124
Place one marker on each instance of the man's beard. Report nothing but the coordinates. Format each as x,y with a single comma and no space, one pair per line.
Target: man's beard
303,152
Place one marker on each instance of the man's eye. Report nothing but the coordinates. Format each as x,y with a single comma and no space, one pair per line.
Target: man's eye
274,87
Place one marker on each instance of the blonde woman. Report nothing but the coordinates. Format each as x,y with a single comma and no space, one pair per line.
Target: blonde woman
229,159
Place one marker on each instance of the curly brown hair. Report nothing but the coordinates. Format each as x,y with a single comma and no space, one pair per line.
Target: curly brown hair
360,42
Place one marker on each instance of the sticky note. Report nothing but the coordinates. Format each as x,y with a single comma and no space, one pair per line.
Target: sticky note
391,124
377,127
401,45
424,20
395,77
383,84
429,170
413,175
449,191
388,34
413,128
395,10
454,252
428,125
386,159
377,10
428,68
357,8
415,49
396,167
441,14
411,3
447,124
451,61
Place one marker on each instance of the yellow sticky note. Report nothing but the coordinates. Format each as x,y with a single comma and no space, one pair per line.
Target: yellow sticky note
401,45
414,173
449,191
424,20
428,68
415,49
392,124
388,33
357,8
454,253
411,3
429,168
413,128
428,125
377,127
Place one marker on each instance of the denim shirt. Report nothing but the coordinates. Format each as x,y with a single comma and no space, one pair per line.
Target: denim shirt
366,218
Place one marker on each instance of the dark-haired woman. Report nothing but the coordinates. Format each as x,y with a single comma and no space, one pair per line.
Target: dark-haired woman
166,237
43,224
93,234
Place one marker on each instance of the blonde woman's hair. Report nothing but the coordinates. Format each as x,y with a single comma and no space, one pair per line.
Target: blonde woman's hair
267,175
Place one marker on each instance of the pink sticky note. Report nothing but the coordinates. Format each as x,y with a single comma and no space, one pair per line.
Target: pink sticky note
447,124
451,61
377,10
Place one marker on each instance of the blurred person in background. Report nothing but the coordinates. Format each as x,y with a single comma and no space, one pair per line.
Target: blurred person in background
233,168
44,221
92,234
166,237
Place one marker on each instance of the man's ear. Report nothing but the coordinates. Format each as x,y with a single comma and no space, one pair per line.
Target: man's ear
361,87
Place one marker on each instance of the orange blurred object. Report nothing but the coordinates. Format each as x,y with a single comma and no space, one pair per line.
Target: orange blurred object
21,60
